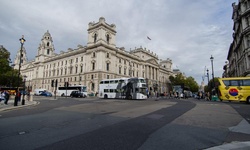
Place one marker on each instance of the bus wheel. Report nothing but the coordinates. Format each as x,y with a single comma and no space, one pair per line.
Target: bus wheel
248,100
105,96
129,97
62,94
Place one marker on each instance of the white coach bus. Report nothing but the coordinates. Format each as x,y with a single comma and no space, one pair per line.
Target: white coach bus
66,91
125,88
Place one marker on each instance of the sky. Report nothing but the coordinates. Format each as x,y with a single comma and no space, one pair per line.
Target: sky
186,31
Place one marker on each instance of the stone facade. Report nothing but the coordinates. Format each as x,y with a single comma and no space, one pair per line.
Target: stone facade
100,59
239,52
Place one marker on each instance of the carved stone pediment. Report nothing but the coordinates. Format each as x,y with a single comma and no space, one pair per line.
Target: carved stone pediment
152,61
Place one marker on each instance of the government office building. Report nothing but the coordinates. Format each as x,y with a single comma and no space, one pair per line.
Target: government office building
88,65
238,58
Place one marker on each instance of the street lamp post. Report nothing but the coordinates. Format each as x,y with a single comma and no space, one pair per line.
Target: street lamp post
24,80
12,80
212,59
207,76
22,40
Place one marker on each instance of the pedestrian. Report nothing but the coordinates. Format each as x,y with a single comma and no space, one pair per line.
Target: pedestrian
19,95
3,95
7,96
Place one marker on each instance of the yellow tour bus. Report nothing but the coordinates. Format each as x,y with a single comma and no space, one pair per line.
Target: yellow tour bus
234,89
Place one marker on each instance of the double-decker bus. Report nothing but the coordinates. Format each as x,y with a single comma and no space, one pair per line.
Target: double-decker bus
125,88
65,91
234,89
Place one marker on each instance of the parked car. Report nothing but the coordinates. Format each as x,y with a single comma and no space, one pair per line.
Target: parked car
45,93
38,91
77,94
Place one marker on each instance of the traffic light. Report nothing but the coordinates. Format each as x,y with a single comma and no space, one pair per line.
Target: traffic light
56,83
52,83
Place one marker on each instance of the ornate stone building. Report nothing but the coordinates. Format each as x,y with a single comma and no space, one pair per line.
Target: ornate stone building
239,52
99,59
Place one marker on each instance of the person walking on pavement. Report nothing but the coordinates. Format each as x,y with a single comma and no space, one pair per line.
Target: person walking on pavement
7,97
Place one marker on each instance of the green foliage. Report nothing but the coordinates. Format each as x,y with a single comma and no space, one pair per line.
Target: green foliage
8,76
212,85
4,60
188,82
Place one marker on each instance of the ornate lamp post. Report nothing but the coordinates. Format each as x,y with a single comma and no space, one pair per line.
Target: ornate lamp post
24,80
22,40
212,59
12,80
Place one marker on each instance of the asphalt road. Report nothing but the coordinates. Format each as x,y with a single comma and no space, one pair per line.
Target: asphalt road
122,124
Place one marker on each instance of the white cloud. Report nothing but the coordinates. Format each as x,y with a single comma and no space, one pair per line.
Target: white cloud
188,32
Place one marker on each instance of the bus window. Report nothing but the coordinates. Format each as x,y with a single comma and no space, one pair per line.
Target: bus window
246,82
226,82
111,90
111,81
106,82
101,82
234,83
106,90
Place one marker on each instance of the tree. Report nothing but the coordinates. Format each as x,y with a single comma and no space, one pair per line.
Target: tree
8,76
188,82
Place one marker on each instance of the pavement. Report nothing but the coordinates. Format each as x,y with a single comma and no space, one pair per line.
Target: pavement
10,105
226,146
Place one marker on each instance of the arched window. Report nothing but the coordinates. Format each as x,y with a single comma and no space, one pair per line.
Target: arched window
107,38
95,37
48,44
47,51
107,66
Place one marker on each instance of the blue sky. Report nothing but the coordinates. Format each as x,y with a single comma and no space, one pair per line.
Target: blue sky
188,32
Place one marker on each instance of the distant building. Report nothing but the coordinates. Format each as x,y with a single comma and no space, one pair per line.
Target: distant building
88,65
239,52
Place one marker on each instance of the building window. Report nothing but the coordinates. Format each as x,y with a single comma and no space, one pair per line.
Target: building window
81,68
93,66
92,76
65,71
76,60
107,76
71,61
95,37
125,62
47,51
137,74
125,71
76,69
107,55
120,70
62,63
65,62
93,86
70,70
48,44
120,60
107,66
93,54
75,78
61,71
81,58
108,38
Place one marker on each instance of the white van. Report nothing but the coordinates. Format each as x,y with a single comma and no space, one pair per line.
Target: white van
39,91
